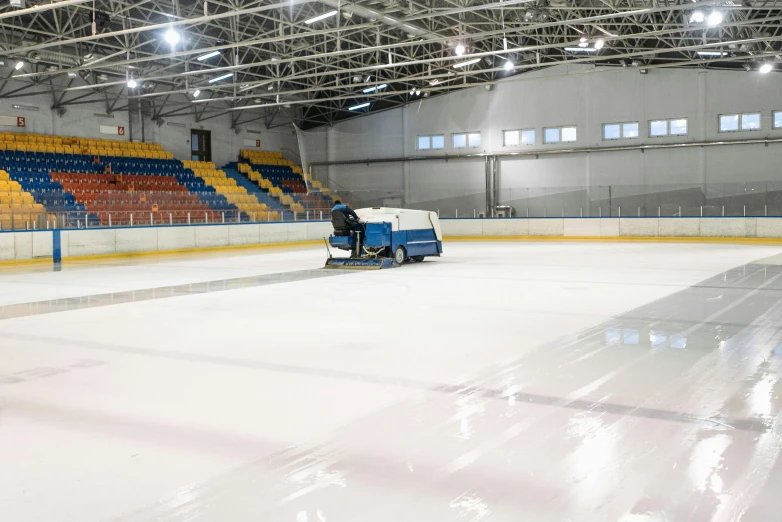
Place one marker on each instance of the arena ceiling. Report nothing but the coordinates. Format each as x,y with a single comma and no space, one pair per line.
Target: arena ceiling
315,62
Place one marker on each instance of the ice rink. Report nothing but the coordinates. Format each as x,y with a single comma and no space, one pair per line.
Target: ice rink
512,382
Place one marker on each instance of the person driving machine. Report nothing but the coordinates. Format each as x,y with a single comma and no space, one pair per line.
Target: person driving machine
345,220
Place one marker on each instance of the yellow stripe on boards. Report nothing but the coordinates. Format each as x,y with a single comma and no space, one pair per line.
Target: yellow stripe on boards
625,239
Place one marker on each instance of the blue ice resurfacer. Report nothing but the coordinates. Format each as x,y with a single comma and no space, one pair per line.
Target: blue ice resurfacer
384,238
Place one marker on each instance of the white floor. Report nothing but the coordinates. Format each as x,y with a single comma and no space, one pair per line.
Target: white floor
497,383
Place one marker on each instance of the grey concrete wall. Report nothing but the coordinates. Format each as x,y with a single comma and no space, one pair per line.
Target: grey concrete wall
81,121
584,96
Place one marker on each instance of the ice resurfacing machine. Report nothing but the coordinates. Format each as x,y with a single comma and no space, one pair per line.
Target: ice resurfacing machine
384,237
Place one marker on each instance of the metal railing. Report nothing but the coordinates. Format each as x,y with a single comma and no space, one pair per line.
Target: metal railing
145,218
750,199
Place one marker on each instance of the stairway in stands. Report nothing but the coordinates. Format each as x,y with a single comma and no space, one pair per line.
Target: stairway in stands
252,188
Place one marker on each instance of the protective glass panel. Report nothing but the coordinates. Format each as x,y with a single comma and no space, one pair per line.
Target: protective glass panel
777,119
750,121
568,134
729,122
438,142
658,128
630,130
611,131
459,141
510,138
551,135
474,139
679,127
423,143
528,137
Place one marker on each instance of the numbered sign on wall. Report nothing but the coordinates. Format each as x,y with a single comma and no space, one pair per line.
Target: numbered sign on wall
252,143
113,130
12,121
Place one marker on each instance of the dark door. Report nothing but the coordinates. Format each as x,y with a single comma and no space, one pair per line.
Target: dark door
201,145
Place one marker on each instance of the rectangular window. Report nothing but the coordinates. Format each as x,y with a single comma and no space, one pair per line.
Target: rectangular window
611,131
658,128
568,134
559,134
511,138
778,119
551,135
469,139
750,121
735,122
729,122
630,130
678,126
430,142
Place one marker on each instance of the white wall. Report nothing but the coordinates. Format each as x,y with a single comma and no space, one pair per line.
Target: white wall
18,246
80,121
21,246
584,96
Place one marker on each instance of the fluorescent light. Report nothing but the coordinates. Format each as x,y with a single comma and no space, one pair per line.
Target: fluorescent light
132,84
208,55
698,17
715,18
223,77
72,74
583,43
766,68
373,89
599,44
581,49
711,53
19,65
459,50
359,106
509,65
196,93
171,36
464,64
320,17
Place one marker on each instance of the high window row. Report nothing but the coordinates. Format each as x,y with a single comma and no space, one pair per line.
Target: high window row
748,121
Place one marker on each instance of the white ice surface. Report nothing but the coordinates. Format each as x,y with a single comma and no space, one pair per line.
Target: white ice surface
114,411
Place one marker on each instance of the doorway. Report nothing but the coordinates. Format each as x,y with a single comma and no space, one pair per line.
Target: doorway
200,145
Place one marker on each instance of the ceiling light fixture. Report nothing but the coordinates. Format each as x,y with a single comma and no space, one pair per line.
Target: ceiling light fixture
223,77
196,93
460,50
697,17
581,49
320,17
711,53
766,68
19,65
171,37
715,18
132,84
464,64
373,89
208,55
359,106
509,65
418,92
599,44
